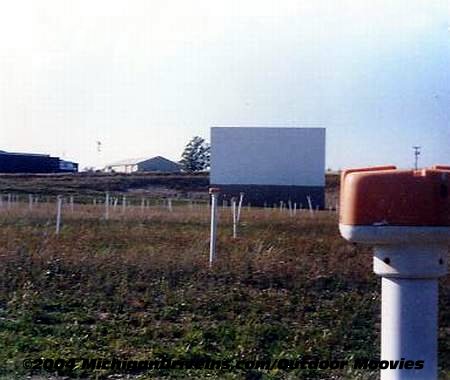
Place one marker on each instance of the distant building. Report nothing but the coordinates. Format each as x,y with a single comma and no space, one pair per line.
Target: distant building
269,165
155,164
34,163
67,166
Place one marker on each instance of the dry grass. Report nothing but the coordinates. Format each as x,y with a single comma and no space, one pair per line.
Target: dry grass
138,286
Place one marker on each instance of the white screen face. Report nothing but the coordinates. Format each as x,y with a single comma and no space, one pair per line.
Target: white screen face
268,156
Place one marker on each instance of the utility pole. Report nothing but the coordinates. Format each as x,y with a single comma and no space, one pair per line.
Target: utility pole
416,156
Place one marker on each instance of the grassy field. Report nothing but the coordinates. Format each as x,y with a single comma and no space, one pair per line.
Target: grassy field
138,286
95,184
194,186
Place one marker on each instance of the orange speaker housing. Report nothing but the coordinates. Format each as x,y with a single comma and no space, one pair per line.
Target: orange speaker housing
385,196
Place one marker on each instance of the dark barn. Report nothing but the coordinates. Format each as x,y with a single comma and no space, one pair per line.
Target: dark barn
32,163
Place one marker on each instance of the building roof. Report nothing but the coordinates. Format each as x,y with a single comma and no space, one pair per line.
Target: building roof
24,154
127,162
136,161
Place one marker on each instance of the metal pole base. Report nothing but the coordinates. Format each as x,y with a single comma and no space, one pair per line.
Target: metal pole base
409,308
409,328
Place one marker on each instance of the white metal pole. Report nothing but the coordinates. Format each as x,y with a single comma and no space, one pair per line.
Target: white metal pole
71,204
58,213
311,211
169,204
30,202
241,199
212,246
233,208
107,205
9,201
409,315
409,306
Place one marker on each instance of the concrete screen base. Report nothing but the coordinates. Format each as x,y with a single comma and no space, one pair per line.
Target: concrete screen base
270,195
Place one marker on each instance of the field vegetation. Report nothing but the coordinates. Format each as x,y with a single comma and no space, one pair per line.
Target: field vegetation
138,286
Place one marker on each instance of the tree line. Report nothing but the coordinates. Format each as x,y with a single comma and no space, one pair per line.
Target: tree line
196,155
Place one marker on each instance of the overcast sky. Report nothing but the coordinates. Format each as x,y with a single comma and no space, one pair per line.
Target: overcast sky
144,76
